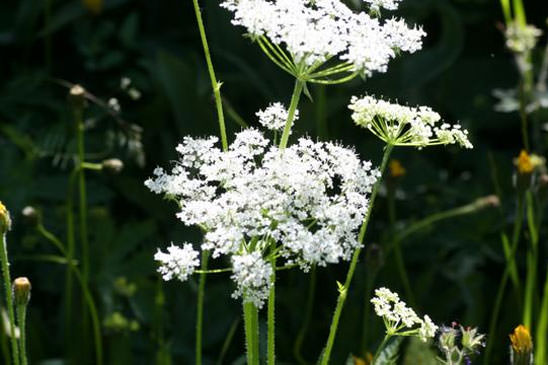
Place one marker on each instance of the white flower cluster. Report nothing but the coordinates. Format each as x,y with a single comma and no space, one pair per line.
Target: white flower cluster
252,275
376,5
307,201
314,31
521,38
178,263
405,126
274,116
397,316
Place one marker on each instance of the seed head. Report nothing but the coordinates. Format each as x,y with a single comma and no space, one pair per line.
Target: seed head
112,166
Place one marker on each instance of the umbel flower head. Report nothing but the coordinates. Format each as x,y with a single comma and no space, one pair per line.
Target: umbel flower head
399,319
400,125
301,35
303,204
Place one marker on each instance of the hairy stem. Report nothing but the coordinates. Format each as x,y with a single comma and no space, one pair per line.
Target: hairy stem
271,335
251,324
344,289
21,320
215,85
200,308
9,302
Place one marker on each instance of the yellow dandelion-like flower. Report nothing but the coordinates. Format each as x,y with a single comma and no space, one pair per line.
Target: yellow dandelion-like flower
396,168
521,340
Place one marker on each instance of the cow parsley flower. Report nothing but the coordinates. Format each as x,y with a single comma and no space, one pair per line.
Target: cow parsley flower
400,125
304,204
274,116
252,276
178,263
399,319
376,5
301,35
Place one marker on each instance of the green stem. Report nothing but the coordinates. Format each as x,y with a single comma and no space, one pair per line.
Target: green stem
291,112
297,347
541,352
344,289
228,340
215,85
523,116
21,320
532,261
9,302
502,286
271,325
200,308
251,324
85,290
380,348
70,254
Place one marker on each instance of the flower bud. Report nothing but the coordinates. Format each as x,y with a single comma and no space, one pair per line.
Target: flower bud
77,96
30,216
521,349
112,166
5,220
21,291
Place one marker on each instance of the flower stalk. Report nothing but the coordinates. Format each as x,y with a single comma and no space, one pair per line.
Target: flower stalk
343,289
5,226
21,298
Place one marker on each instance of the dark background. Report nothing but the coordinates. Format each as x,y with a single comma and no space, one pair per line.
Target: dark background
454,266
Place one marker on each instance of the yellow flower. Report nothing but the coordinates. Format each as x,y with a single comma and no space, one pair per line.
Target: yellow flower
524,163
527,163
521,340
5,221
95,6
359,361
396,168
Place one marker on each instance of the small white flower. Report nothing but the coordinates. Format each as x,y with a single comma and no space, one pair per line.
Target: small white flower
114,104
275,116
134,93
427,329
178,263
377,5
253,278
125,82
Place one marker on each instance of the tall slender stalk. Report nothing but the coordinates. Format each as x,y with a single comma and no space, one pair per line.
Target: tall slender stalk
88,298
297,347
8,295
251,324
541,350
510,260
381,347
297,90
200,307
271,334
532,262
21,320
216,86
70,252
343,289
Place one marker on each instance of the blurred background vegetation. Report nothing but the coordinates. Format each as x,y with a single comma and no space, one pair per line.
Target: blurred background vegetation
454,266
